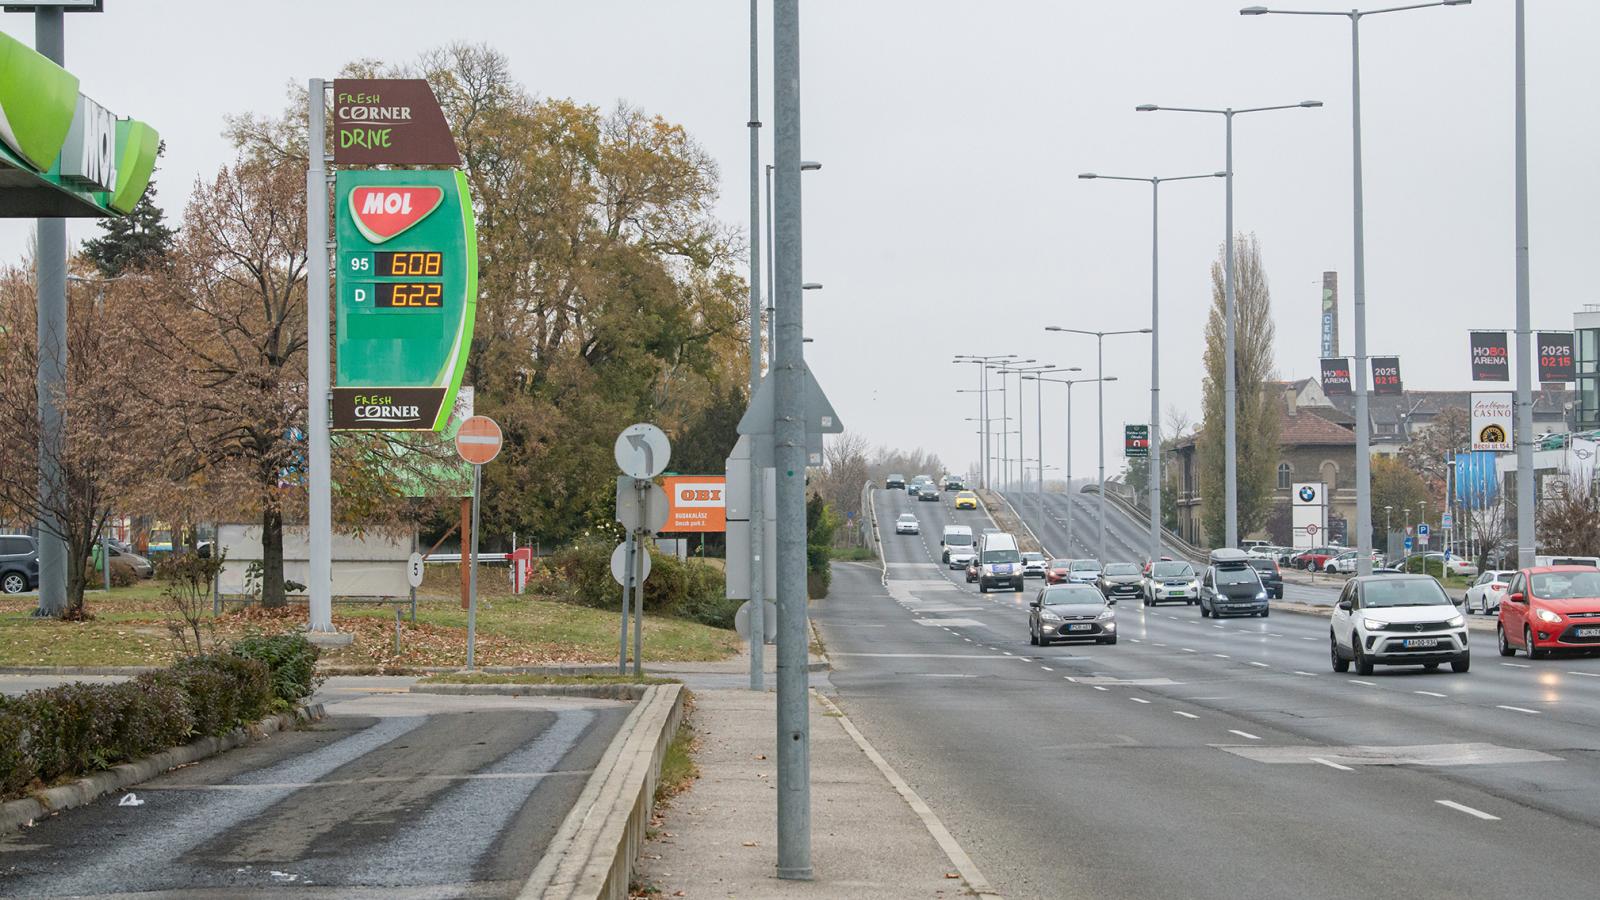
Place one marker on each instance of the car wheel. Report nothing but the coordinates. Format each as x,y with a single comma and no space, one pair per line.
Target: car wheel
1430,667
1527,641
1461,665
1148,601
14,583
1265,613
1204,613
1340,664
983,588
1017,589
1033,639
1363,664
1109,640
1500,638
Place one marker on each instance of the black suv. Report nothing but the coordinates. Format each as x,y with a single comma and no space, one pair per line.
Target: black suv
19,563
894,482
1231,586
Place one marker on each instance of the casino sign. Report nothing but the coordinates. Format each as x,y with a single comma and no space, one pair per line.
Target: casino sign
407,288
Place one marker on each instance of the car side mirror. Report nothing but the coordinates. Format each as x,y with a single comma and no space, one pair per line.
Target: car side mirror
1517,598
1346,605
1035,604
1111,602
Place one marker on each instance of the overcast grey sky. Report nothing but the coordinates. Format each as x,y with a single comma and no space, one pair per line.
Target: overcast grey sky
948,217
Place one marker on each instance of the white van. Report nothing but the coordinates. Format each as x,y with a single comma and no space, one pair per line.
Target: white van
999,563
958,546
1567,561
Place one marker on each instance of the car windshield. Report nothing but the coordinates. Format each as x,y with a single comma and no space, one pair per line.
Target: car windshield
1566,585
1264,565
1122,569
1000,556
1030,556
1404,592
958,540
1172,570
1080,595
1237,576
1085,565
1060,563
907,517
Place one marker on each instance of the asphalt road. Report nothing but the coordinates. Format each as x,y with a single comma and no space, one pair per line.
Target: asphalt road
1211,759
393,795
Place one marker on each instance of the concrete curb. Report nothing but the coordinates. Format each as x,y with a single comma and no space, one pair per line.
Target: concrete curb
592,854
600,691
23,813
76,670
877,539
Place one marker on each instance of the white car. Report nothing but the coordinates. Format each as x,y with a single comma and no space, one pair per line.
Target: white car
907,524
1487,591
1033,565
1455,565
1345,563
1397,620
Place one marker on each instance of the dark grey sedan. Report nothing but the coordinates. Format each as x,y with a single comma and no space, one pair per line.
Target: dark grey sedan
1121,580
1063,612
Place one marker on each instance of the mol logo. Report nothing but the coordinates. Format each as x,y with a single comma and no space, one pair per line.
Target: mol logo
381,212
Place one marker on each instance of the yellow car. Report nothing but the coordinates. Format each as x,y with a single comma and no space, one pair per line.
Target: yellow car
966,500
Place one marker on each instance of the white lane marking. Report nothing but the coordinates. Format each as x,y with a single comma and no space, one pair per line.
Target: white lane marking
1216,626
1047,668
1161,645
1244,734
1006,652
1179,712
1099,687
1586,674
1514,665
1459,807
1261,664
1331,765
1531,712
1367,683
1430,693
1310,674
1190,650
1308,639
1138,700
1273,634
1137,641
1222,656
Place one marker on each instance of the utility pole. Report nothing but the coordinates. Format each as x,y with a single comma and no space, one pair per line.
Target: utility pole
789,430
758,481
1527,544
51,380
318,454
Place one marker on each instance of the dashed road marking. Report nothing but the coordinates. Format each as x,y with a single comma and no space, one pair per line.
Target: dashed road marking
1244,734
1308,674
1586,674
1047,668
1331,765
1367,683
1259,664
1190,650
1515,665
1460,807
1531,712
1138,700
1099,687
1430,694
1222,656
1179,712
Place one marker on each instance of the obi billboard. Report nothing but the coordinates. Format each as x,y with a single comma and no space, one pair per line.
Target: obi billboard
695,503
407,289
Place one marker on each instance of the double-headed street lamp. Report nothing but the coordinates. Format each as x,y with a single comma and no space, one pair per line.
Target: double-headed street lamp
1022,451
1069,382
1100,370
1005,446
1230,462
1363,426
1038,428
1155,340
982,362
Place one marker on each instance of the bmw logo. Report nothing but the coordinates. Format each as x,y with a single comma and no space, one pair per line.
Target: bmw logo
1308,494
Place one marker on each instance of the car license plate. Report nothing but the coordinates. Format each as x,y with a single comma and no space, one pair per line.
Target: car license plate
1083,627
1416,643
1588,632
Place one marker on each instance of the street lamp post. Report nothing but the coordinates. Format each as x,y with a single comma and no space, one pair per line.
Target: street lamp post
1100,403
1038,429
1230,462
1069,382
1005,407
1363,426
982,362
1022,450
1154,468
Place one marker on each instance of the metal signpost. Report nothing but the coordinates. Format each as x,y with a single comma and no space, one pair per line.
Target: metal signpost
478,442
642,452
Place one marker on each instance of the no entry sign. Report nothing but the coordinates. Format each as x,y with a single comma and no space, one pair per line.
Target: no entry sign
479,440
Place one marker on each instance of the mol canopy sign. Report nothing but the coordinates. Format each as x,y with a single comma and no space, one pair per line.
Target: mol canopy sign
695,503
62,155
407,287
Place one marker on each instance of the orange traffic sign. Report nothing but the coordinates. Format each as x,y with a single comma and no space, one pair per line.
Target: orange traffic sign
479,440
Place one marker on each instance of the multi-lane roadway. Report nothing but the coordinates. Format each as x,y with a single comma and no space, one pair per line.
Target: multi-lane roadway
1210,759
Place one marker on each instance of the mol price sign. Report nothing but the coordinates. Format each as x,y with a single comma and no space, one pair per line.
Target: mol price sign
408,287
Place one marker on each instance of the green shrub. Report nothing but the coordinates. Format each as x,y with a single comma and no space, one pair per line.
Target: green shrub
688,589
77,728
16,766
224,691
291,659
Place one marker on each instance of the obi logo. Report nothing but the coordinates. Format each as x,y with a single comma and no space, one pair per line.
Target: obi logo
380,213
1308,494
700,495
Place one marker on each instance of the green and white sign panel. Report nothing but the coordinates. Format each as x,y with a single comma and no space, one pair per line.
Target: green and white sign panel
407,287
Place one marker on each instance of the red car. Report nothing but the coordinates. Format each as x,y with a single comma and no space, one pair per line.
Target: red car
1550,608
1058,571
1316,559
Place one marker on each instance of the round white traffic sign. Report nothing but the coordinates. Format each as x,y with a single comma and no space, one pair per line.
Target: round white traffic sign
642,451
414,570
769,621
619,564
1312,529
479,440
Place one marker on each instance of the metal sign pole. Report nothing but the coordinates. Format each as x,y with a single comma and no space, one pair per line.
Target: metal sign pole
318,459
639,552
51,266
627,582
472,575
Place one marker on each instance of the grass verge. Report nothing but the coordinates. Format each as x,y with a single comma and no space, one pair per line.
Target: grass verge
492,678
678,769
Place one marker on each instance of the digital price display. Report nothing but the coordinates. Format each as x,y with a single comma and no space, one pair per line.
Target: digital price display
408,295
407,264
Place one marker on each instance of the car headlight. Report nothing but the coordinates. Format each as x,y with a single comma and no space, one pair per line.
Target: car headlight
1261,595
1374,624
1546,615
1049,616
1193,585
1457,621
1107,613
